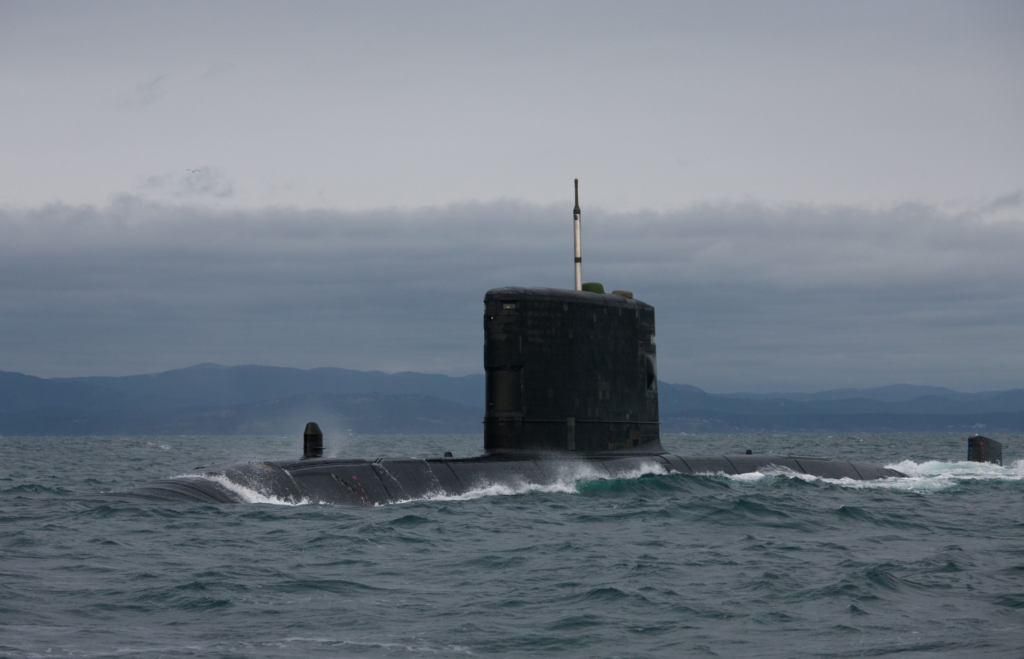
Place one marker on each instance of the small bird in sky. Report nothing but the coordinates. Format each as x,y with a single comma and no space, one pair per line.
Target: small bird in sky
193,171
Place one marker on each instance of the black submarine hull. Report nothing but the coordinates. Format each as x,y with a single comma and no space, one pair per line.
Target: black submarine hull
571,394
395,480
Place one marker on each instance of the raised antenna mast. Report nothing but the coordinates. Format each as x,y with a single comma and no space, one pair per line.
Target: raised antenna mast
576,232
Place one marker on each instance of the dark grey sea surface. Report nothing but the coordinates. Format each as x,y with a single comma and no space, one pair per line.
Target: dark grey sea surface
771,565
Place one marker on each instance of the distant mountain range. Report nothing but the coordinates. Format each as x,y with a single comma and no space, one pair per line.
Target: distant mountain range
894,408
228,400
894,393
220,400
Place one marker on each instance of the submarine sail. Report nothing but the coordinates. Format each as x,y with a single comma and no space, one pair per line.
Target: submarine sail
569,371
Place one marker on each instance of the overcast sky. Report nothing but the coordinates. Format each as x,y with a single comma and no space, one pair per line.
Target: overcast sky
812,194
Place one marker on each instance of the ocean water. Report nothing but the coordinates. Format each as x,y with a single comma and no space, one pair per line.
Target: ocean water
660,565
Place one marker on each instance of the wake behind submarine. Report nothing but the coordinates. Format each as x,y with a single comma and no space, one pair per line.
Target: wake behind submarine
572,384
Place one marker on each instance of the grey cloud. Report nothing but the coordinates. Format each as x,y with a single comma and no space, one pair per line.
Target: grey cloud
193,183
216,71
145,93
1013,200
748,297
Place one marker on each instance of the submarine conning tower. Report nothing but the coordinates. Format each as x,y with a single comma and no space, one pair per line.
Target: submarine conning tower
569,371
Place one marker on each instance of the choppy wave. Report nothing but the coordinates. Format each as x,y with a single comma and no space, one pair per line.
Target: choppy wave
923,477
568,481
645,563
500,490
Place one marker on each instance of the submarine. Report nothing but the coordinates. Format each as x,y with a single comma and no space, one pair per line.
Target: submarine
571,387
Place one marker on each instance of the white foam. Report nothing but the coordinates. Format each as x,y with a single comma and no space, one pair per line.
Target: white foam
570,476
503,490
245,493
928,476
645,469
961,470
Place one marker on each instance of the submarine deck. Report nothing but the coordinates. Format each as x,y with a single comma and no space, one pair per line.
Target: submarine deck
393,480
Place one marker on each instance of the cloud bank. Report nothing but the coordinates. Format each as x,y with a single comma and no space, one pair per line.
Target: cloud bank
748,296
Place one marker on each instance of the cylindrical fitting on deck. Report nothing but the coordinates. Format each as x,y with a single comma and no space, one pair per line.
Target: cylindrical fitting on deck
312,442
